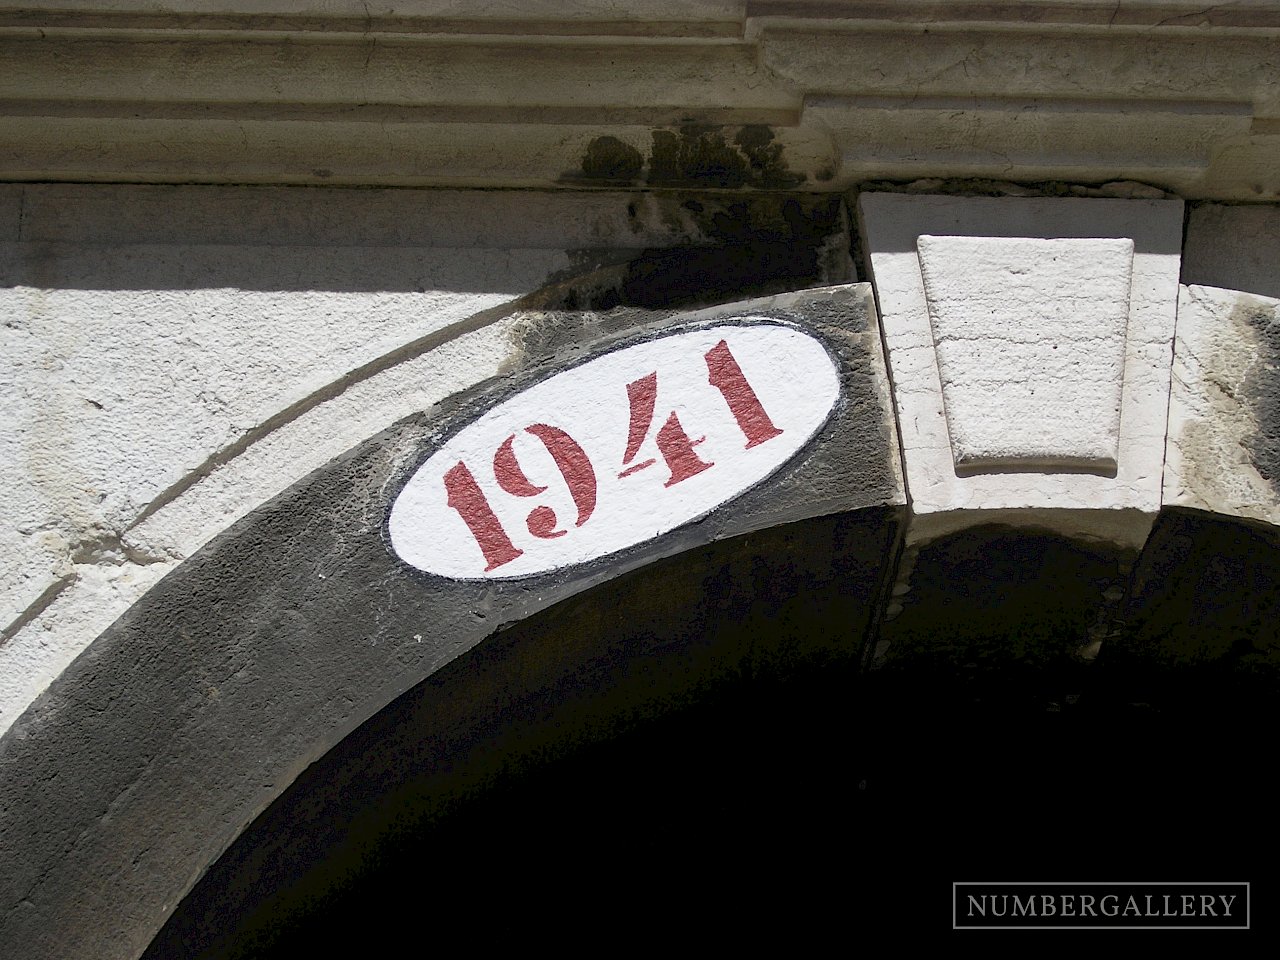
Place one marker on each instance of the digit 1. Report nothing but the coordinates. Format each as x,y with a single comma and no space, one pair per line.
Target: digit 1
468,499
725,375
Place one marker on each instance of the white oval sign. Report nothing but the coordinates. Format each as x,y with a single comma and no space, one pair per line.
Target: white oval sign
614,452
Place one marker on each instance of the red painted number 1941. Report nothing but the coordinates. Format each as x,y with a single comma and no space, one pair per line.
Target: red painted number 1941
573,469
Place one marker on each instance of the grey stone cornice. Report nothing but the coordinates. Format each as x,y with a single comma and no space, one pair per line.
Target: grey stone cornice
788,94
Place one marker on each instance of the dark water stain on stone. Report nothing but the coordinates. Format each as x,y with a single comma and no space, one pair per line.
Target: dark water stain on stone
1261,388
696,157
739,247
608,158
764,157
664,157
693,156
702,157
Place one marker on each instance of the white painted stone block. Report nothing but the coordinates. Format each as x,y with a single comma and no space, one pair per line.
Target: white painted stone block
995,421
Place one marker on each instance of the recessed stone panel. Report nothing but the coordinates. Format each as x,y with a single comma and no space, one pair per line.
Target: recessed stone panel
1030,338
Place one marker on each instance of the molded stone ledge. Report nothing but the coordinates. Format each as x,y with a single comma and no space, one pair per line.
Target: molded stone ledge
1224,410
1042,138
756,95
971,340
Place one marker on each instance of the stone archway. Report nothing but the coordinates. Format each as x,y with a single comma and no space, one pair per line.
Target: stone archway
239,239
174,730
278,639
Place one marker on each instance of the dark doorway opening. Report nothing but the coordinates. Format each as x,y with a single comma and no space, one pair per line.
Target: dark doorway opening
719,761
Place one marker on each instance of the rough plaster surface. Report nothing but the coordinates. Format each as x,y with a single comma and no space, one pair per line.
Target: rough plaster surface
132,371
1224,409
172,357
891,227
196,708
1013,395
116,396
1236,247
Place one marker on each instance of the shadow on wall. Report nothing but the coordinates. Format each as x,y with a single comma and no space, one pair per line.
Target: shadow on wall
146,238
143,238
1236,247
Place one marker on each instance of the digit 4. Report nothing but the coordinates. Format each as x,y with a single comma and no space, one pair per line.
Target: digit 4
725,374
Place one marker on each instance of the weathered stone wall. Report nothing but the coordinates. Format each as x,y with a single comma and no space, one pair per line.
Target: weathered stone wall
178,355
